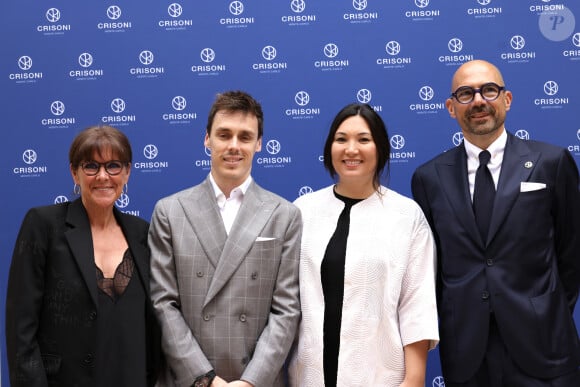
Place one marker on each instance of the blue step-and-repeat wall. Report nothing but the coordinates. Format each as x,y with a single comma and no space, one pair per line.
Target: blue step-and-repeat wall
152,69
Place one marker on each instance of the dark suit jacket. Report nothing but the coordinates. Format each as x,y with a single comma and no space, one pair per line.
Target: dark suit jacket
527,272
51,305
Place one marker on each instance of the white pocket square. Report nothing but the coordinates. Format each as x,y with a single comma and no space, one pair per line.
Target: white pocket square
263,239
527,186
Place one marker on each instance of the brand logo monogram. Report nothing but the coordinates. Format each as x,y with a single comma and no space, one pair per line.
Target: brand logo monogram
150,151
178,103
85,59
364,96
146,57
207,55
550,88
52,15
426,93
118,105
114,12
57,108
174,10
29,156
269,53
25,62
236,8
302,98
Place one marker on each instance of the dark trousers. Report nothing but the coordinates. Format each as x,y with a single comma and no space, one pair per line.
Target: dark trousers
499,370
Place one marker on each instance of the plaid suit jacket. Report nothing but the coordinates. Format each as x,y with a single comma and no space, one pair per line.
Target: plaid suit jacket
226,302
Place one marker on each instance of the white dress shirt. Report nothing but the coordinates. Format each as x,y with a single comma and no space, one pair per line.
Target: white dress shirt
229,207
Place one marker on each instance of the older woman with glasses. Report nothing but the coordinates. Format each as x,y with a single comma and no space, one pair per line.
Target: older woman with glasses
78,311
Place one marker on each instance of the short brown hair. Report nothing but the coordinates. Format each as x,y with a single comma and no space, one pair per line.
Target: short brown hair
98,139
236,101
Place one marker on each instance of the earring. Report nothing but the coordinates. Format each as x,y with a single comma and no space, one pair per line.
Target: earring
125,189
77,189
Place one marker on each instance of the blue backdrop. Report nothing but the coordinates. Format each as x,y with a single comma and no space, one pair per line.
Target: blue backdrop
153,68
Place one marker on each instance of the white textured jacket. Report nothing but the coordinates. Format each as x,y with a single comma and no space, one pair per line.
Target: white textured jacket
389,288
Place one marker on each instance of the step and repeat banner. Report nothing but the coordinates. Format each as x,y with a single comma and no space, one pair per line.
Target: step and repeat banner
152,69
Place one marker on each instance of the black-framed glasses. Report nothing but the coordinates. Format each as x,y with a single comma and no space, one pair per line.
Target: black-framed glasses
113,167
488,91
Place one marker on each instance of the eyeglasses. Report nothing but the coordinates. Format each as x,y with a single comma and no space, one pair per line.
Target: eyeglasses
489,92
113,167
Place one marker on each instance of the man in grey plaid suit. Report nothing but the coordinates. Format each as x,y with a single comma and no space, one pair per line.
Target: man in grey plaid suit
224,263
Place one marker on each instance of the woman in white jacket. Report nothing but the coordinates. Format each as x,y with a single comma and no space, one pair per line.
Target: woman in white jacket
367,269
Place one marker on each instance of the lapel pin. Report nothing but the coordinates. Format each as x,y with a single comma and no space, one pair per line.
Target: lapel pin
528,164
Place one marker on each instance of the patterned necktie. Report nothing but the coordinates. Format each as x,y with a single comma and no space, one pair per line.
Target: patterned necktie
483,195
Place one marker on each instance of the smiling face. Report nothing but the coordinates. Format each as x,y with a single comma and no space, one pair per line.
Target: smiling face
354,154
481,121
101,190
233,141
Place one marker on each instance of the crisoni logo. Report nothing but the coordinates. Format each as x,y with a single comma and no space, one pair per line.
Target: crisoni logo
204,164
118,106
180,116
150,152
422,13
303,111
360,14
457,138
85,61
298,18
332,63
275,160
53,16
30,169
114,13
269,53
518,55
438,381
393,61
575,148
398,155
546,8
60,199
123,201
24,64
455,46
58,121
485,10
365,96
236,20
146,58
427,106
522,134
207,56
176,23
551,100
573,54
305,190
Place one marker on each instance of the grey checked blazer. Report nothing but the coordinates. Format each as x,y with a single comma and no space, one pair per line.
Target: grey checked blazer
228,303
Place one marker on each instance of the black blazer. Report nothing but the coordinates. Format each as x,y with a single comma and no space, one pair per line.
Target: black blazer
51,304
528,270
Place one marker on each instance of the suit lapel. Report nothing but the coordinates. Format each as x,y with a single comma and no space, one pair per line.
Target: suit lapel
202,212
253,215
517,165
80,242
452,172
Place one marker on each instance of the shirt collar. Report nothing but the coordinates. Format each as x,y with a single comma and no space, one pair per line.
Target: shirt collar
221,197
495,148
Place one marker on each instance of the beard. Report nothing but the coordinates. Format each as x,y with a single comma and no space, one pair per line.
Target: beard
484,125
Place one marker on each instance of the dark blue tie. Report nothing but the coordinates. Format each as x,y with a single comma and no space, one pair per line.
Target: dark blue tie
483,195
